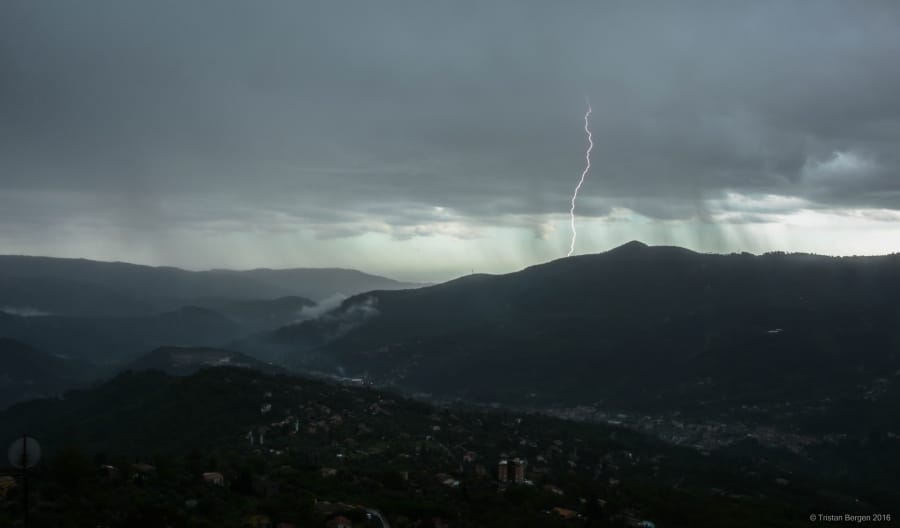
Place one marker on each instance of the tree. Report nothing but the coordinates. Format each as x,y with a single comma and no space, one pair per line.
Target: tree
70,467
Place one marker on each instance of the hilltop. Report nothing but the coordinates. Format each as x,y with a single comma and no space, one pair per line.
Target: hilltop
637,326
187,360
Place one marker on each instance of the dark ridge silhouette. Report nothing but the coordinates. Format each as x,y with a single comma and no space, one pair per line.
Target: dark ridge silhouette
115,339
83,287
638,326
29,373
181,361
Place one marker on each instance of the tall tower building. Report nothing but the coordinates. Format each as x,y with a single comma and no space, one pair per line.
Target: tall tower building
519,470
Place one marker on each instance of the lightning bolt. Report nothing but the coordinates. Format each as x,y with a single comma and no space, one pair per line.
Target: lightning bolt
587,168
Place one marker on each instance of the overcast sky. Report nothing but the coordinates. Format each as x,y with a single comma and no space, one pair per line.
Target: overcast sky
424,139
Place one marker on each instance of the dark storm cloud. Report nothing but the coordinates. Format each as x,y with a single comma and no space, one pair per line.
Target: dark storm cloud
353,116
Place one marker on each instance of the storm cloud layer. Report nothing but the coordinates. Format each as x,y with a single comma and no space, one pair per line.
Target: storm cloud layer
130,121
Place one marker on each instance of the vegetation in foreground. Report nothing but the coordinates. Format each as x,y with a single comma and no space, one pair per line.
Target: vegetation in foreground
147,449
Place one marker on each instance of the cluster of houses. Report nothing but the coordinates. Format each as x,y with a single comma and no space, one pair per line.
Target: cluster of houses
518,471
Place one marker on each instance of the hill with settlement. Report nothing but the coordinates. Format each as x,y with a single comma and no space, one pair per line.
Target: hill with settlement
230,446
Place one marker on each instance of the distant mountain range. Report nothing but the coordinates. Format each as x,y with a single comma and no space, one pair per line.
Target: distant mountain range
644,327
76,319
110,312
647,328
78,287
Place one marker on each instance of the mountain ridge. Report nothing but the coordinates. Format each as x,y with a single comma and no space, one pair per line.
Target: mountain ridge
66,286
634,317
